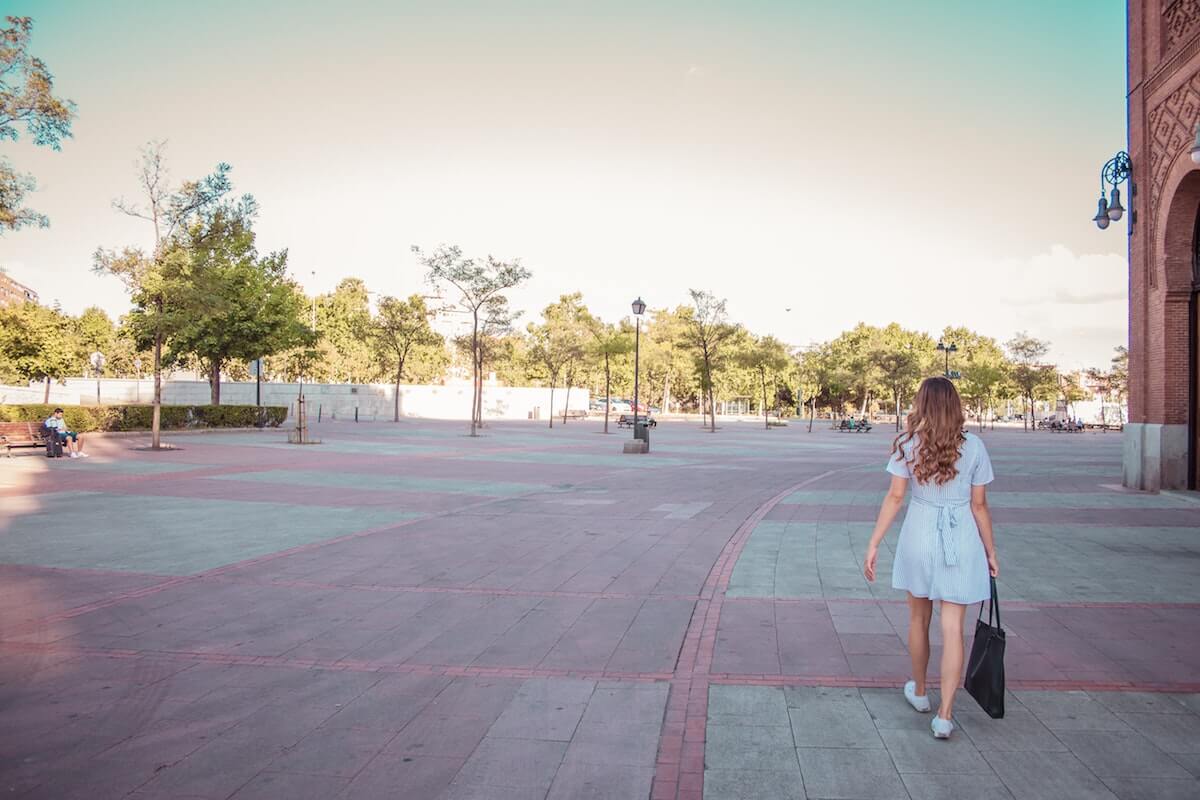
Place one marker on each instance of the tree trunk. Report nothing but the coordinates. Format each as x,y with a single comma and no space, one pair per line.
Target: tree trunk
474,370
396,399
567,402
46,397
712,406
897,395
812,412
667,393
156,416
766,419
608,391
552,382
214,382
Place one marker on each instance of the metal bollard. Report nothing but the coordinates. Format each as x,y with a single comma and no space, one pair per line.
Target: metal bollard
356,413
319,407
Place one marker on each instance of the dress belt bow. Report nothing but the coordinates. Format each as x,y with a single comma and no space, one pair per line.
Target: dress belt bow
947,524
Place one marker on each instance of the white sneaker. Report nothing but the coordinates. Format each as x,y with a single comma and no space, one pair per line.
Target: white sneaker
82,454
74,455
921,702
942,728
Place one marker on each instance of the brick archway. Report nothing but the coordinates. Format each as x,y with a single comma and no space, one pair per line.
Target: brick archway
1179,337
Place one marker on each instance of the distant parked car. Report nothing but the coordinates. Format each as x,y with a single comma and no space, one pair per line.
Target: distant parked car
621,406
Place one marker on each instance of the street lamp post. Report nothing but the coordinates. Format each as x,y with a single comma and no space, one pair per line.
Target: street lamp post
1117,170
947,349
97,361
639,308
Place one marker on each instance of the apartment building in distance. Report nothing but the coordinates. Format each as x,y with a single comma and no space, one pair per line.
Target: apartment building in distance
12,293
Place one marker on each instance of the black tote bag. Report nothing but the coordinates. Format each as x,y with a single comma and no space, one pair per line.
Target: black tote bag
985,669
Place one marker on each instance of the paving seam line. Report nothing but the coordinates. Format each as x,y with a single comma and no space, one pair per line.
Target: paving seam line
679,767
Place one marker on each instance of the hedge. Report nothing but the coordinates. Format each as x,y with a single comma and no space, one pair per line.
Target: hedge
138,418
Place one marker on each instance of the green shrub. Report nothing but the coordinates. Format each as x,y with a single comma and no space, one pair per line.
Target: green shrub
85,419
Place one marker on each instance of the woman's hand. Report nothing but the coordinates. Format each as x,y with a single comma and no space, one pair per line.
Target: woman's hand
869,562
993,565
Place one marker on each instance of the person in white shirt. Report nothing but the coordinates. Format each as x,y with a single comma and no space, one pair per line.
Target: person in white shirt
69,438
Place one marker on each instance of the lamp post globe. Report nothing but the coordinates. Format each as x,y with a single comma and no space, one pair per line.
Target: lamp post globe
1115,209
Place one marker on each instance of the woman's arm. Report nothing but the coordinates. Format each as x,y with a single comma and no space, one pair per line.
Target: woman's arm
983,520
887,515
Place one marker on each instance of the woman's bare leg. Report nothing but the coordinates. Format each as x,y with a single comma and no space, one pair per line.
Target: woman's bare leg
920,611
952,654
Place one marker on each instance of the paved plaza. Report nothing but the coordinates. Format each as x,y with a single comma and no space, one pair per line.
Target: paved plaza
406,612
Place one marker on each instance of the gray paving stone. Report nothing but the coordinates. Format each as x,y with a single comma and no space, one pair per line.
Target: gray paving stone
1019,730
1133,702
835,774
918,751
537,720
420,776
1171,733
1189,761
627,705
1047,776
513,763
579,781
1154,788
1070,711
758,705
616,745
1118,754
740,784
889,709
955,787
1191,701
294,786
830,717
744,747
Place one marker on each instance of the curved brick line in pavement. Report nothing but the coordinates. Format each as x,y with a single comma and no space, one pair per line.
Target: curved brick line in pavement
679,769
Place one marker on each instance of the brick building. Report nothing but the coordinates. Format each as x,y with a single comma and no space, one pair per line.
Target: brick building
12,292
1162,441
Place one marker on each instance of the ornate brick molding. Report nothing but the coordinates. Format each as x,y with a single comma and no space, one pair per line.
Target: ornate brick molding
1171,126
1180,21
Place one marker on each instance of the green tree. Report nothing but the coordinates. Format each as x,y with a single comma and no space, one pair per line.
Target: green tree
1070,389
157,297
768,358
667,363
984,368
609,342
558,343
26,100
708,333
815,373
1119,374
344,320
36,343
233,304
400,330
481,285
899,357
94,332
1028,374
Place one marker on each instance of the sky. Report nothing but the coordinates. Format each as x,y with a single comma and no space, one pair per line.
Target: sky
817,164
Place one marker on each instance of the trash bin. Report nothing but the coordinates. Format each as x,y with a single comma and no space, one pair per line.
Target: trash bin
642,431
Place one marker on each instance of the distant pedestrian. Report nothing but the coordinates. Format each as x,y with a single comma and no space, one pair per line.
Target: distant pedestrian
944,553
71,439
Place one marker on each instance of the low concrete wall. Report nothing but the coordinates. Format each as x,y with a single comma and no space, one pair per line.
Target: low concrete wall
339,401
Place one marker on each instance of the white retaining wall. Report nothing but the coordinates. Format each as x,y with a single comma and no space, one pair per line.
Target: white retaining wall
373,401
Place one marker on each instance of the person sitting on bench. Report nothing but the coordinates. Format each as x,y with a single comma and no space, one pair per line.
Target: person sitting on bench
71,439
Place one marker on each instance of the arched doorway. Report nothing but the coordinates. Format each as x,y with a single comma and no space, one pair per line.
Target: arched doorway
1194,362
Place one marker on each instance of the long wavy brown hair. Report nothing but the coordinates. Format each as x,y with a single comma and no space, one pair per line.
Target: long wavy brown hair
936,425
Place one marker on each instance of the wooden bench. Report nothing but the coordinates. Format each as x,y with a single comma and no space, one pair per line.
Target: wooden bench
21,434
856,427
626,420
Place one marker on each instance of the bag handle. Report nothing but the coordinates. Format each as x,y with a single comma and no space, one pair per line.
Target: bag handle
993,607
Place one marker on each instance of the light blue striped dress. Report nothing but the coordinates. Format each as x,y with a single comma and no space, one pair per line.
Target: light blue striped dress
940,554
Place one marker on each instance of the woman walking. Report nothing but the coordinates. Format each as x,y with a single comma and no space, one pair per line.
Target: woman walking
946,550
